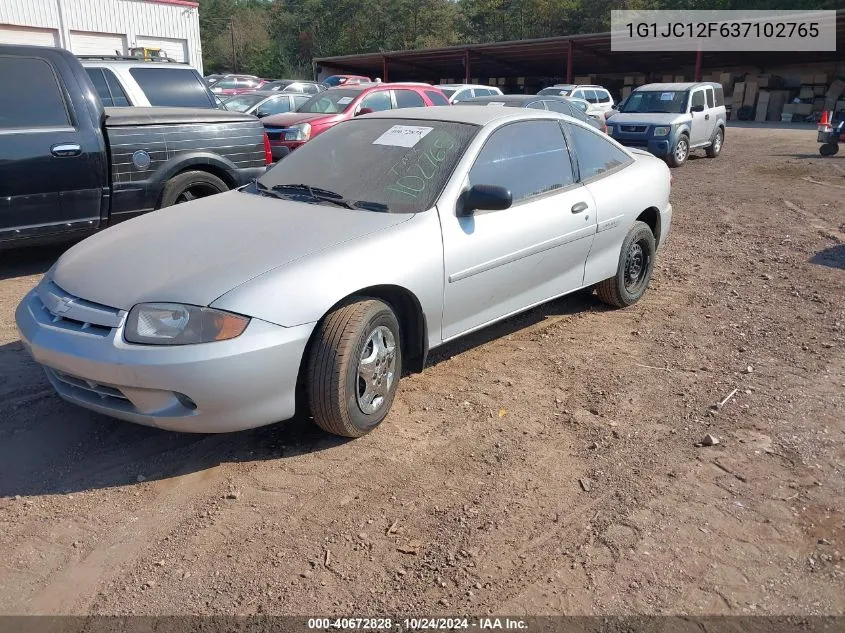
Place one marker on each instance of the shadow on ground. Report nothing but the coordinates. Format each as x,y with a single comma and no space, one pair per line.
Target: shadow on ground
22,262
50,447
833,257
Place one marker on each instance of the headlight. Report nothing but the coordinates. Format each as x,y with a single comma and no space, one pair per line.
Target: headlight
298,132
662,130
176,324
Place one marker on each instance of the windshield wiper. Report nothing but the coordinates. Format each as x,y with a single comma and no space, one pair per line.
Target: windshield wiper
323,195
264,190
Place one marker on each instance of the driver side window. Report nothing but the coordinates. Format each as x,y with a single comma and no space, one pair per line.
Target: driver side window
697,99
377,101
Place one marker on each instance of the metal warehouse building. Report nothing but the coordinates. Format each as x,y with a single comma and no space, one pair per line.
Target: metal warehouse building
105,27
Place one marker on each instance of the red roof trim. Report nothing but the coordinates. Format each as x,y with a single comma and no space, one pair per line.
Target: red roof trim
180,3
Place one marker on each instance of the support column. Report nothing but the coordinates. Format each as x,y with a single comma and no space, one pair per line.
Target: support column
569,48
698,65
467,70
384,69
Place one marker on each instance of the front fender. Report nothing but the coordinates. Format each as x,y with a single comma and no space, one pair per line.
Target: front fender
408,255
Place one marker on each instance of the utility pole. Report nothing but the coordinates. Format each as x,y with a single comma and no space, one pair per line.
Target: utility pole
234,57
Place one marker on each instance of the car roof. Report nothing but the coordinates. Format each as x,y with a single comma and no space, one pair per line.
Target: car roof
510,98
475,115
133,63
261,93
675,86
371,85
465,86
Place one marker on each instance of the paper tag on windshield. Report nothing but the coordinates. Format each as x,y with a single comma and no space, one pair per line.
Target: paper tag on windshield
402,136
501,103
667,96
344,100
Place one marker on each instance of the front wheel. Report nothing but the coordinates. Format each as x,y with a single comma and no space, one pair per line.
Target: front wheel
679,155
716,146
636,263
829,149
354,367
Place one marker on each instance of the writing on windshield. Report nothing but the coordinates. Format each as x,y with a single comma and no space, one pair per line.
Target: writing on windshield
657,101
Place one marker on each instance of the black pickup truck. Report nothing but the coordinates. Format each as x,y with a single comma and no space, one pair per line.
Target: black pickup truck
69,167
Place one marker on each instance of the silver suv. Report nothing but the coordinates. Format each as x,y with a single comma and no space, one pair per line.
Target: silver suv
123,82
597,96
669,120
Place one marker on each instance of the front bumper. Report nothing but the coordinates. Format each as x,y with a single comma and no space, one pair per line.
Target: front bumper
660,147
217,387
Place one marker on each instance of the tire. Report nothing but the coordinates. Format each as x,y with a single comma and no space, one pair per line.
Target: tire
829,149
337,391
190,185
715,148
639,245
680,152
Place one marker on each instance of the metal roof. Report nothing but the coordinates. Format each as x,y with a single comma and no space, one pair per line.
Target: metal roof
590,54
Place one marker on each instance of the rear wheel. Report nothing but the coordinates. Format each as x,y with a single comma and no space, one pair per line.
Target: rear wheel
680,153
354,367
716,146
636,263
829,149
191,185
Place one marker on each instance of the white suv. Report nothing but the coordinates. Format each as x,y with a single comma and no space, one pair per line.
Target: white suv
121,82
596,95
462,92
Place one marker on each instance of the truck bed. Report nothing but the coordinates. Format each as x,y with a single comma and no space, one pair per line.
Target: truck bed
125,117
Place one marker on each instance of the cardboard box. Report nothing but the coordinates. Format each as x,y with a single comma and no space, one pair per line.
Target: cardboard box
777,101
802,108
750,93
763,81
820,79
629,80
808,79
679,79
818,105
819,90
806,92
762,111
786,117
739,92
626,91
836,89
725,79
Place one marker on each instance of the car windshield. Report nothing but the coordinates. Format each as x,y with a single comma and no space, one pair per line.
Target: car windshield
330,102
656,101
560,92
242,103
386,165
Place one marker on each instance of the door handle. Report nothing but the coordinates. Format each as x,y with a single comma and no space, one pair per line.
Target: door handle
706,117
578,207
63,150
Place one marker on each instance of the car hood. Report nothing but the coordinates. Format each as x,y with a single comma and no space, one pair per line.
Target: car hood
654,118
291,118
195,252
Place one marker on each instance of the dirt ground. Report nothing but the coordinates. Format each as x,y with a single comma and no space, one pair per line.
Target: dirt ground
546,465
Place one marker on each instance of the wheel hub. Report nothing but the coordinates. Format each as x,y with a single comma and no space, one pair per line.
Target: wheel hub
636,267
376,369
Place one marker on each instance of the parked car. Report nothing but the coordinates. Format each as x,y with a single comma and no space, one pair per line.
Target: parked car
669,120
340,80
461,92
294,85
589,109
597,95
120,83
322,111
212,79
341,267
263,103
538,102
69,167
237,84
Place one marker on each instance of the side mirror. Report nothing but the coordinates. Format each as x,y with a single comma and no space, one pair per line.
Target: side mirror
364,111
697,108
484,198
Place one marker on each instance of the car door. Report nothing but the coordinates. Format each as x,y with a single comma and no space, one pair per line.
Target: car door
699,132
710,113
500,262
407,99
377,101
51,172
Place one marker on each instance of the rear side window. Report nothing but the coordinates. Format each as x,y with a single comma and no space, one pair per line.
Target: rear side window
590,95
377,101
536,105
709,92
298,100
408,99
603,95
720,96
36,101
529,158
110,91
436,98
176,87
596,155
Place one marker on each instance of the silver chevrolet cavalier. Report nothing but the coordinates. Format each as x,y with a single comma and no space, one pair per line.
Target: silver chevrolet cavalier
342,266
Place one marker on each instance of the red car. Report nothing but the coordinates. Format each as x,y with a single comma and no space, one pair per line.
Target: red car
342,80
290,130
237,84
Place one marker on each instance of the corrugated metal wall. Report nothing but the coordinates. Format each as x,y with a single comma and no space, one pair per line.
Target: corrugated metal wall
131,18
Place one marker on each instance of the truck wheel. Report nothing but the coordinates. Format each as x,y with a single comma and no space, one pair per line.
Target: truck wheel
636,262
715,147
354,367
190,185
829,149
680,153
